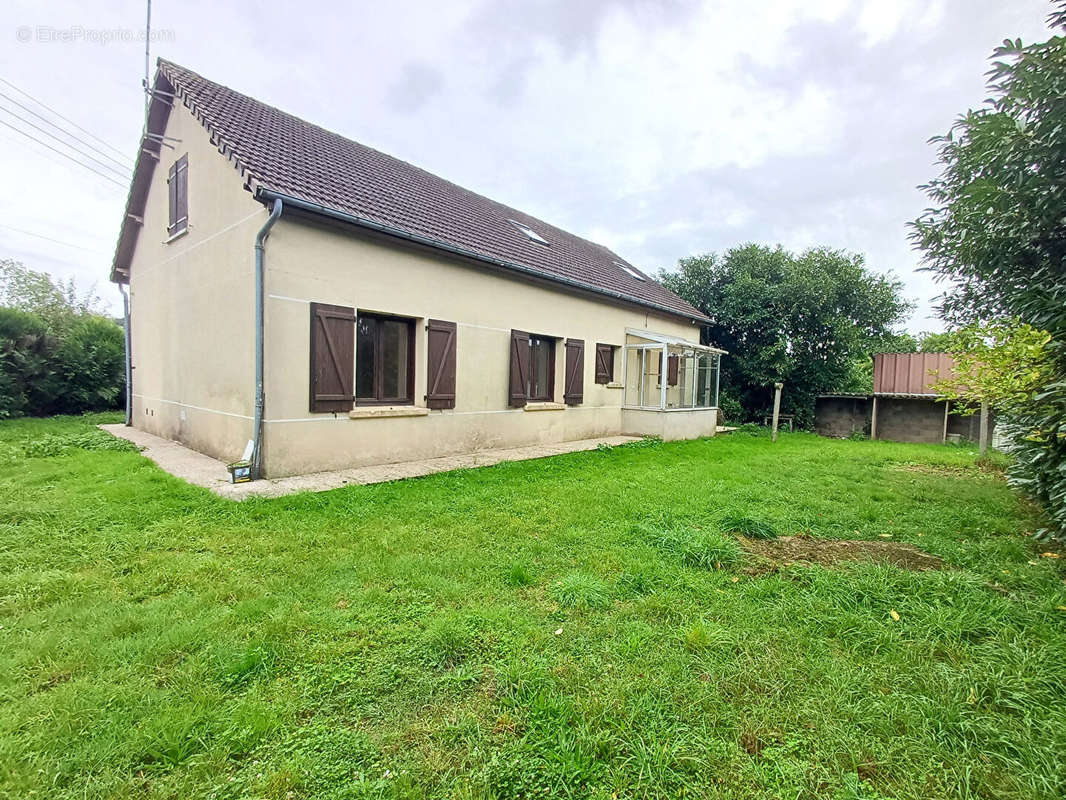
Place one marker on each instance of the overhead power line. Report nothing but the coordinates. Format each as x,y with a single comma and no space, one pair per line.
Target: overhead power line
50,239
67,120
30,148
76,138
117,171
65,155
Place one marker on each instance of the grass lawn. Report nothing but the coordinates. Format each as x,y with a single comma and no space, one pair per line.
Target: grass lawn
575,626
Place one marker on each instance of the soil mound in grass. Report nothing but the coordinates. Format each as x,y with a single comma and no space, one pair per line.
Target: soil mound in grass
772,554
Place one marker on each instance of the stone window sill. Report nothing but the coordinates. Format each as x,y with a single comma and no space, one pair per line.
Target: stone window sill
612,385
545,406
378,412
176,235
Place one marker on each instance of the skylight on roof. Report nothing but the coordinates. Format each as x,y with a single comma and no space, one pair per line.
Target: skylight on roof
630,271
532,234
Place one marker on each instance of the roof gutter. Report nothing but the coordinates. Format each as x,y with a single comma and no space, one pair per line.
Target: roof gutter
268,195
260,395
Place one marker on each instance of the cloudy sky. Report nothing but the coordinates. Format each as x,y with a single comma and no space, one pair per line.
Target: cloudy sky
661,128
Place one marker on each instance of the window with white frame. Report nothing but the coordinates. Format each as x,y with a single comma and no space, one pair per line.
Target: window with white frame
670,375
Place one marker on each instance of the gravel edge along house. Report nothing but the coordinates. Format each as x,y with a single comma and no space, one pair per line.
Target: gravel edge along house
321,305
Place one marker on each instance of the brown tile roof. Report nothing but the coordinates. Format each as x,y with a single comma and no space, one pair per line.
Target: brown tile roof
277,152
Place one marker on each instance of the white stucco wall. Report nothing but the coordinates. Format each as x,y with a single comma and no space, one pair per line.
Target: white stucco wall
192,312
191,304
670,425
308,263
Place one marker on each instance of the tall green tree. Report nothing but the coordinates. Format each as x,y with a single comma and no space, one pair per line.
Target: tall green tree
57,302
930,342
810,320
996,236
926,342
1003,364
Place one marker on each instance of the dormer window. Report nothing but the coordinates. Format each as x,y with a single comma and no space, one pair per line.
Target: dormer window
532,234
630,271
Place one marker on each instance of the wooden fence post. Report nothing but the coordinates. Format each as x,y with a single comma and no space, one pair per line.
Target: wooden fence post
983,446
777,408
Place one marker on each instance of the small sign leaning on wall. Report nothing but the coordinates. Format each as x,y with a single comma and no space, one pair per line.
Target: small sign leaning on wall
240,471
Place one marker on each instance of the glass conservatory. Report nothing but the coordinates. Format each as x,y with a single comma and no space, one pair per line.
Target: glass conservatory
667,373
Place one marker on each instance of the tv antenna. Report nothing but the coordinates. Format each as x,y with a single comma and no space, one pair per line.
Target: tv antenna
147,56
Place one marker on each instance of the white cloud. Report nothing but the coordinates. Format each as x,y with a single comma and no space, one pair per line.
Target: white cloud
659,127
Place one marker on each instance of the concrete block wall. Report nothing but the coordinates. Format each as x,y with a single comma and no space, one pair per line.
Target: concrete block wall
839,417
899,419
910,420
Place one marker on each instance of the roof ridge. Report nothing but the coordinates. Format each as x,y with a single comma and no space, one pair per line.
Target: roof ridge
476,195
276,152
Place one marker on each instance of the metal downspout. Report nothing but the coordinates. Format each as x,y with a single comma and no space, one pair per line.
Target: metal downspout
257,424
128,356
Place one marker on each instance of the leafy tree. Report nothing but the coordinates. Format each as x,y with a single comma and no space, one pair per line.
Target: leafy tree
926,342
811,320
1002,364
902,343
995,236
56,302
929,342
56,354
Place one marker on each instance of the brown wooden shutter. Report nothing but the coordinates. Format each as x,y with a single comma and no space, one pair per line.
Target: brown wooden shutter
440,355
181,195
575,372
332,357
172,197
671,370
604,363
519,368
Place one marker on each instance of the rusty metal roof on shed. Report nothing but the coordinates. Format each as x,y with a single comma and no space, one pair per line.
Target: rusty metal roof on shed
871,395
911,374
278,153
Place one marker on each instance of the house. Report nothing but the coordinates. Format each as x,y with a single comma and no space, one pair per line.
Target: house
904,406
329,306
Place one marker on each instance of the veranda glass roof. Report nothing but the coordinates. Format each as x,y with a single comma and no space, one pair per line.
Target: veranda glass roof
662,338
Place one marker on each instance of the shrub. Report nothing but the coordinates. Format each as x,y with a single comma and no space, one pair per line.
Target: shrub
730,410
24,367
68,370
90,362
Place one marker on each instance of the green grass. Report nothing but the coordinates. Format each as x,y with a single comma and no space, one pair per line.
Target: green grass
746,526
581,626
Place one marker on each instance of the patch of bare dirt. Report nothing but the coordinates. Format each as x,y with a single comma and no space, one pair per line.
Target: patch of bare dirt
773,554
